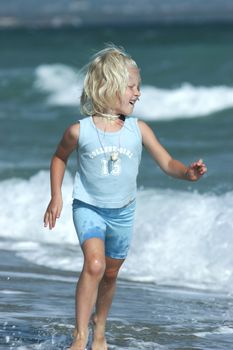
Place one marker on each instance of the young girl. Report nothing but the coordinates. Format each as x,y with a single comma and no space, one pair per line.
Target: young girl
108,145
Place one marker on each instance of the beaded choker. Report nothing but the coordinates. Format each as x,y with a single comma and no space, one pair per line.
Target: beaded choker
112,118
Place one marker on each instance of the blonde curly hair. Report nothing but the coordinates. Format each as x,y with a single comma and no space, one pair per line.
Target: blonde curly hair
105,81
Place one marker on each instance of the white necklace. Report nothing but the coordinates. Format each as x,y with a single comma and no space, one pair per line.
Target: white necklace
109,117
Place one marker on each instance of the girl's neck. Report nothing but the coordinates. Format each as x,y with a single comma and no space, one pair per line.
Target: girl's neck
108,124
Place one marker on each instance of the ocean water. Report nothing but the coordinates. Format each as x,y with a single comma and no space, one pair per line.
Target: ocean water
175,288
80,13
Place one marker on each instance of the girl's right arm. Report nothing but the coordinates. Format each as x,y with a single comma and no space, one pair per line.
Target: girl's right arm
57,169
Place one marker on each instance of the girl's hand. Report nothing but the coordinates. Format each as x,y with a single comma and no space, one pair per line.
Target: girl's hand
53,212
196,170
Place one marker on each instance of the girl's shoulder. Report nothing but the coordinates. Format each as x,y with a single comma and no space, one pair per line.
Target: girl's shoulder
141,123
146,131
72,132
143,126
74,127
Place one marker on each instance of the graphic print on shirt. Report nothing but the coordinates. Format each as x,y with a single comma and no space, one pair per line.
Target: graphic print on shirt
109,166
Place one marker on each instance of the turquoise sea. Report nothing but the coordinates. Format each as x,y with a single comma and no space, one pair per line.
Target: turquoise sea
176,288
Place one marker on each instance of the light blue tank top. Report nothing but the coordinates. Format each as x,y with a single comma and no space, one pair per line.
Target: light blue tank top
108,164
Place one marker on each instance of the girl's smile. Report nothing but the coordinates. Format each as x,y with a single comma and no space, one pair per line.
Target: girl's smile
126,104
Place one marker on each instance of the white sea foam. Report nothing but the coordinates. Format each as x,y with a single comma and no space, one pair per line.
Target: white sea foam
184,101
180,238
7,291
183,237
62,86
22,212
60,82
220,330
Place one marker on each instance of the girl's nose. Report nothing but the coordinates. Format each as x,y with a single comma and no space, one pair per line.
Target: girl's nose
137,92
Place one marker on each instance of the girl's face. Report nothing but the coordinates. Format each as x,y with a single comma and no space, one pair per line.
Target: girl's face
125,106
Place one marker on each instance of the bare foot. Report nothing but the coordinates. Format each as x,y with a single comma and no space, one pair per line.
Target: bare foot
99,342
80,341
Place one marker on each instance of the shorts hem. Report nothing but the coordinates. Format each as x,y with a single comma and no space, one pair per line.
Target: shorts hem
115,256
90,237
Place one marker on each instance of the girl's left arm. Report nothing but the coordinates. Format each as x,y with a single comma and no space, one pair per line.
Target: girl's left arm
169,165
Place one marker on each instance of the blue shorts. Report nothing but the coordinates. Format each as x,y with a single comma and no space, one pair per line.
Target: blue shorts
114,226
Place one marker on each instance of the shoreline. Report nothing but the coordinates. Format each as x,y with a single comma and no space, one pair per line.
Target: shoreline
37,312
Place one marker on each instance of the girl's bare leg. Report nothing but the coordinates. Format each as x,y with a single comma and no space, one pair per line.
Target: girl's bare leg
106,291
87,289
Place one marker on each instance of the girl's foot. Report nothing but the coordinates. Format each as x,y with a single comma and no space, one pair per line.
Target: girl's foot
99,340
80,341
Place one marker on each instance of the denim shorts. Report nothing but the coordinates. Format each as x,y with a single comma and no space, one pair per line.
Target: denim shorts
114,226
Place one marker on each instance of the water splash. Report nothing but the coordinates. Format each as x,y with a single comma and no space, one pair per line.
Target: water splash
180,238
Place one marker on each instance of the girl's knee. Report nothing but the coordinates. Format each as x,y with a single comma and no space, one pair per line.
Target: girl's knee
112,268
95,267
110,275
